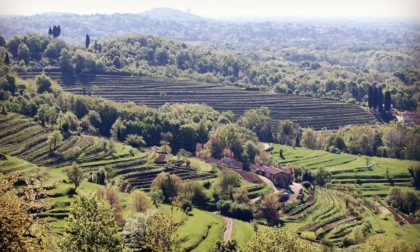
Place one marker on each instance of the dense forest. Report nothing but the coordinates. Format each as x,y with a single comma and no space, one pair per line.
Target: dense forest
314,58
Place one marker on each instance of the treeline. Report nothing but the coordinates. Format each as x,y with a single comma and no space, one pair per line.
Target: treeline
337,74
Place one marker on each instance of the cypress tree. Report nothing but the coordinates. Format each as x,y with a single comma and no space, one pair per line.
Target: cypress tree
50,32
380,99
7,59
87,42
370,97
388,101
375,97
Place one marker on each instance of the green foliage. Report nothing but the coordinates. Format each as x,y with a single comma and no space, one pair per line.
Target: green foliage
229,136
135,141
75,174
228,181
322,176
276,240
168,184
407,202
43,83
55,138
21,228
415,174
235,210
91,226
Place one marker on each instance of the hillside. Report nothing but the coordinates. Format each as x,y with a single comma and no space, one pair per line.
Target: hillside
307,111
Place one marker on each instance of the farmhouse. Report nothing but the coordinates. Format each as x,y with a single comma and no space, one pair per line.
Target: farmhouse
280,177
411,117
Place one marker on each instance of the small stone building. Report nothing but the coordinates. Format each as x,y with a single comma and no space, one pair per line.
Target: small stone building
411,117
280,177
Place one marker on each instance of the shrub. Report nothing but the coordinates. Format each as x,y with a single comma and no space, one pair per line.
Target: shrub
306,184
186,206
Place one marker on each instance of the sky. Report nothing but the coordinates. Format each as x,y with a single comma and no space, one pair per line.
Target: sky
226,8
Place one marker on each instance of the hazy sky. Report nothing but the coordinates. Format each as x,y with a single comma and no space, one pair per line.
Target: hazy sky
226,8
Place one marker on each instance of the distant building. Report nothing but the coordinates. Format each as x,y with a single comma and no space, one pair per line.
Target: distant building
280,177
411,117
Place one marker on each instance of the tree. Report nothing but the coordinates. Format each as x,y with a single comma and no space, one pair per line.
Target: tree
370,97
135,229
7,59
135,141
229,180
110,195
55,138
415,173
91,226
140,202
309,139
160,233
87,42
250,151
276,240
50,31
21,228
380,99
43,83
322,176
375,97
157,197
270,208
75,174
287,132
23,52
388,101
169,184
192,191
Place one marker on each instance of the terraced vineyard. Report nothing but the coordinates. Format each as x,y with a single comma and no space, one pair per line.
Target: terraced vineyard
307,111
324,217
372,179
22,137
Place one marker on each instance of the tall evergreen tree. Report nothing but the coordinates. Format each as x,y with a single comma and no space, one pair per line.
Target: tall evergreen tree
380,100
50,31
388,101
375,97
87,42
370,97
7,59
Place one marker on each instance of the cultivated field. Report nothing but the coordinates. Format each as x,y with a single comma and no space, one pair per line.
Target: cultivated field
307,111
368,173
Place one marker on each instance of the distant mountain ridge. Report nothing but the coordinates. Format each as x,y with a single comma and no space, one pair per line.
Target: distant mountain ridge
170,14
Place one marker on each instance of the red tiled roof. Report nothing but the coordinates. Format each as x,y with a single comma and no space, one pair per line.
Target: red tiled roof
270,169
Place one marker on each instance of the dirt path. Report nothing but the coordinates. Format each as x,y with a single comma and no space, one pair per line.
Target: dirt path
295,188
269,182
228,231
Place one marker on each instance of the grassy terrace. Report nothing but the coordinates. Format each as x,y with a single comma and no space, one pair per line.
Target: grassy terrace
308,111
345,168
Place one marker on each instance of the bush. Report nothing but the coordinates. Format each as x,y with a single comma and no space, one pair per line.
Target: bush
306,184
186,206
347,242
71,191
235,210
